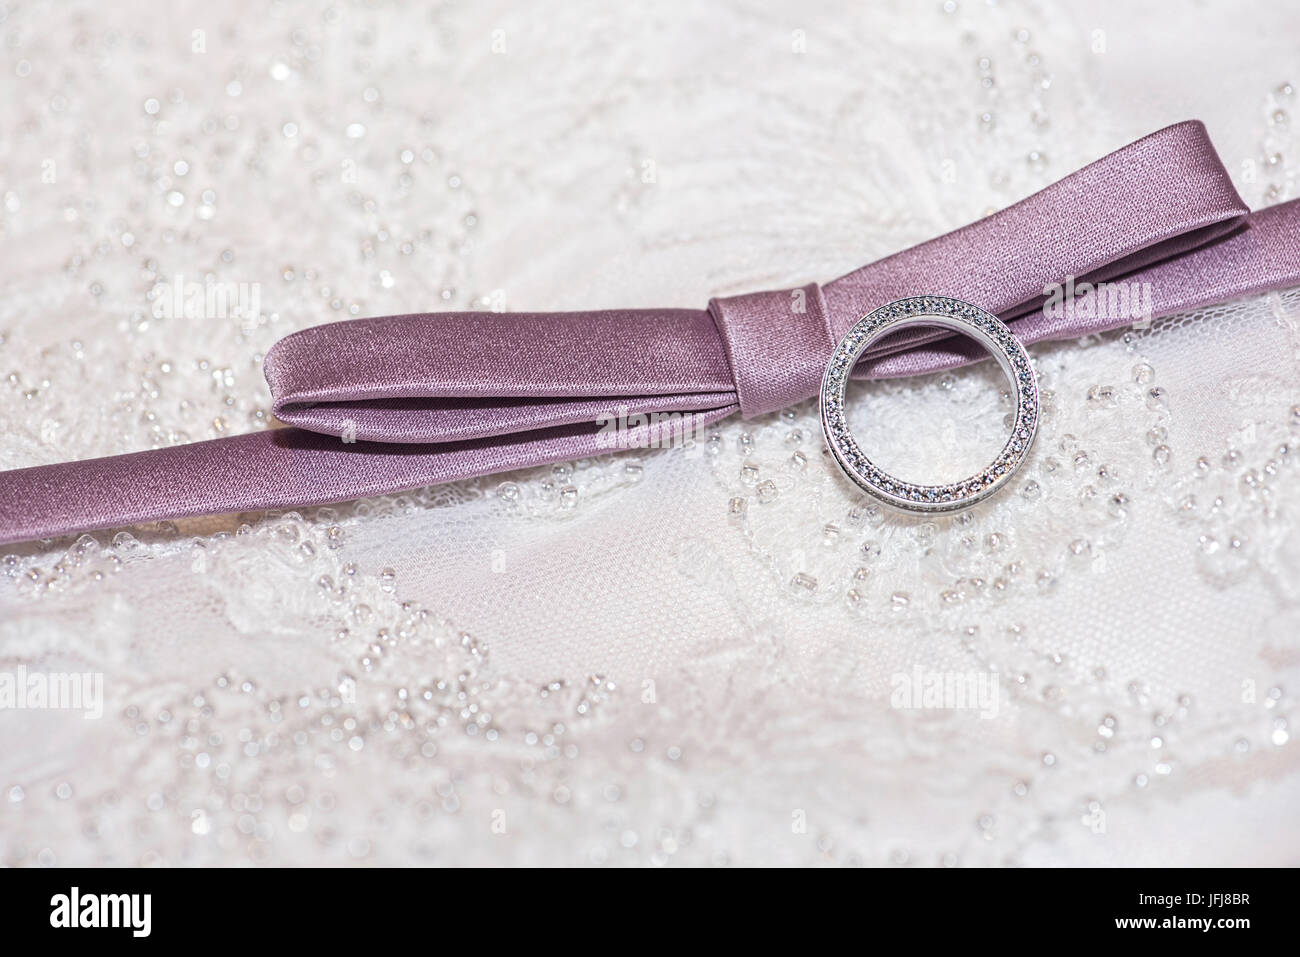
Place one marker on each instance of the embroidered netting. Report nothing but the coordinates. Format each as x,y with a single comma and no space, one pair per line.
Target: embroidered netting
671,656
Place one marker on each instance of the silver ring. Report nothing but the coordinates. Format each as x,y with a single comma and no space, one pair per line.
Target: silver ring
958,316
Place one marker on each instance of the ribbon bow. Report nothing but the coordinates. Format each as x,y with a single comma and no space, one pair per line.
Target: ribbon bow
388,404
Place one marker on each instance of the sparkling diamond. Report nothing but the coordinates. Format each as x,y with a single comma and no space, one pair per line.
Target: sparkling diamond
961,317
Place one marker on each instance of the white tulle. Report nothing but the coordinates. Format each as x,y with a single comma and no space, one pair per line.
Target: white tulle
684,655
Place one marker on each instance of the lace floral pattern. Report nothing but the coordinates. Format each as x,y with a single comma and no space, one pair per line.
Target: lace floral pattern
690,655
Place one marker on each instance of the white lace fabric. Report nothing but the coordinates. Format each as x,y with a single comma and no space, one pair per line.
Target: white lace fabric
670,656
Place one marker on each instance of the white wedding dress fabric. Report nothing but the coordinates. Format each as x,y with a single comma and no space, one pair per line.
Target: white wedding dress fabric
677,656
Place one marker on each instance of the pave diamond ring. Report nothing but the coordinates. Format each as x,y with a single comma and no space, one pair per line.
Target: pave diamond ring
960,317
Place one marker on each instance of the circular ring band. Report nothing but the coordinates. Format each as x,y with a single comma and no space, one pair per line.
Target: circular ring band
970,321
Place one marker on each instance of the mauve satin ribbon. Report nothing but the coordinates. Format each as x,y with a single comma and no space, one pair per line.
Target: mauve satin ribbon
439,397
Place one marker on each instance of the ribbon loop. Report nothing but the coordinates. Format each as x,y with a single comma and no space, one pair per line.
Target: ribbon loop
1160,197
446,377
